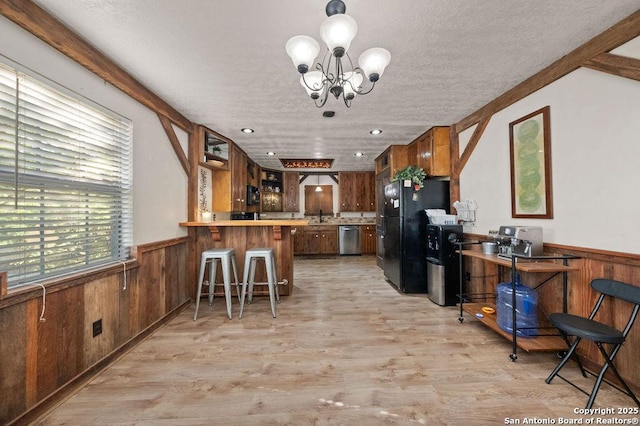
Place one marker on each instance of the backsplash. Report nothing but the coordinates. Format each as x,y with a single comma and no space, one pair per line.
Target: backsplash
339,219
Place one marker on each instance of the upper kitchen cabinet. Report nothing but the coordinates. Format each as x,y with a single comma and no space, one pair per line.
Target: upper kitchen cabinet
318,201
230,186
213,149
272,190
291,188
357,191
432,152
392,159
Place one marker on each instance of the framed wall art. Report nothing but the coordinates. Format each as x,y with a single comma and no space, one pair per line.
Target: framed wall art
530,150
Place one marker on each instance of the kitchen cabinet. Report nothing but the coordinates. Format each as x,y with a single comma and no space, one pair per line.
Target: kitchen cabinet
271,190
392,159
432,151
346,188
357,191
291,189
368,239
213,149
370,192
298,241
320,239
316,201
238,179
229,187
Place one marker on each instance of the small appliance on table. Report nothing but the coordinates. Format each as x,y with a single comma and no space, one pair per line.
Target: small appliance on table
520,240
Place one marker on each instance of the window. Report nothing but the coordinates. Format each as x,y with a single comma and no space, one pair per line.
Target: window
65,181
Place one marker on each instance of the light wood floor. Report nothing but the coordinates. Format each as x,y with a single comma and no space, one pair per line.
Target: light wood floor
346,349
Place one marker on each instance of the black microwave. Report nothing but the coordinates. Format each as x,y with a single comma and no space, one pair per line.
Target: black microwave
253,195
245,216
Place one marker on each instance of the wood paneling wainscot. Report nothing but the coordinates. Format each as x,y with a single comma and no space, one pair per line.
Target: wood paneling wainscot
48,355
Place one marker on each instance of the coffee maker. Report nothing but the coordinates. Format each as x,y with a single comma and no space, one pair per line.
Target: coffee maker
521,240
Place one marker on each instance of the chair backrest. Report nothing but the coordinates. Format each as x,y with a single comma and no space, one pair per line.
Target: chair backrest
617,289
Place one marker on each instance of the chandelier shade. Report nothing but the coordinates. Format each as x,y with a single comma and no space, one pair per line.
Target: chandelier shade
353,82
336,73
303,50
338,31
313,84
373,62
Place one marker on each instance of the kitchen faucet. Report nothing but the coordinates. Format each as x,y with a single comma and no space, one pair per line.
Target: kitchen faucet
320,215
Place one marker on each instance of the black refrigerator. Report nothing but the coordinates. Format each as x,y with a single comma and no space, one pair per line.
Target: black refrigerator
405,231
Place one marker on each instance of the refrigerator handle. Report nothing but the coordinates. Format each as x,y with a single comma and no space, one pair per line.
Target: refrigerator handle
384,225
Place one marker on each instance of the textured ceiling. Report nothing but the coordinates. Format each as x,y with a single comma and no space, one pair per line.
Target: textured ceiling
222,63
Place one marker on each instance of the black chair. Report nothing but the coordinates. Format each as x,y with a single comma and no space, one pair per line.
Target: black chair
599,333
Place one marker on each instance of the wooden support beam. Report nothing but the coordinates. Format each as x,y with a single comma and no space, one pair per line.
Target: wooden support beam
620,66
175,143
475,138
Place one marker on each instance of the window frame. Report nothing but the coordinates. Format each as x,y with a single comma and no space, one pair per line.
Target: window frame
116,189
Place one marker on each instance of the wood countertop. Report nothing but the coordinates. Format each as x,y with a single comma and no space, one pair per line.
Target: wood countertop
248,223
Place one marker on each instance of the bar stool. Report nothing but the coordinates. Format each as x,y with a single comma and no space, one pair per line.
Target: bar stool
227,256
250,259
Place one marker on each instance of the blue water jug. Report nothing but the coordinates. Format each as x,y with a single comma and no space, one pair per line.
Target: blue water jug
526,308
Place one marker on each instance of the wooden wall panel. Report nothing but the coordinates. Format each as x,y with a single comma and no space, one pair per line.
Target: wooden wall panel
101,303
176,267
13,367
150,289
126,325
47,357
60,340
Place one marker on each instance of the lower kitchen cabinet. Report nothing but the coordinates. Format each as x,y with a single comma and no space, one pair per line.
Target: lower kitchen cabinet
368,239
316,240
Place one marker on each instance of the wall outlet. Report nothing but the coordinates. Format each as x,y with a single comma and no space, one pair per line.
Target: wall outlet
97,328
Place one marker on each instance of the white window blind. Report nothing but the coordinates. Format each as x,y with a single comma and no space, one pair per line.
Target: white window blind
65,181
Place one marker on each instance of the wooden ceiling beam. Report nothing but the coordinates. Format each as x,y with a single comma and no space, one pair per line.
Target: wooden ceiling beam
621,66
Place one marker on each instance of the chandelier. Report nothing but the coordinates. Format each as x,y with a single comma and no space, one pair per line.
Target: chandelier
330,75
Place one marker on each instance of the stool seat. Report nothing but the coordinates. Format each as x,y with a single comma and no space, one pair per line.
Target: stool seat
227,256
248,277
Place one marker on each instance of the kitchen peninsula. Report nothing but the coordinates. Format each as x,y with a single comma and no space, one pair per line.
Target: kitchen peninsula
246,234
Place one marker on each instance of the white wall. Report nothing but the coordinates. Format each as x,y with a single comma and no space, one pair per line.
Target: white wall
160,184
595,151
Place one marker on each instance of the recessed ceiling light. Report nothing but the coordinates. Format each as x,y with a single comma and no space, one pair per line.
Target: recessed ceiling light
359,154
271,153
375,131
247,130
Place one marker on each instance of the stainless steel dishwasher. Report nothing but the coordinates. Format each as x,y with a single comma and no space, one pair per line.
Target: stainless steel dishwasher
349,239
